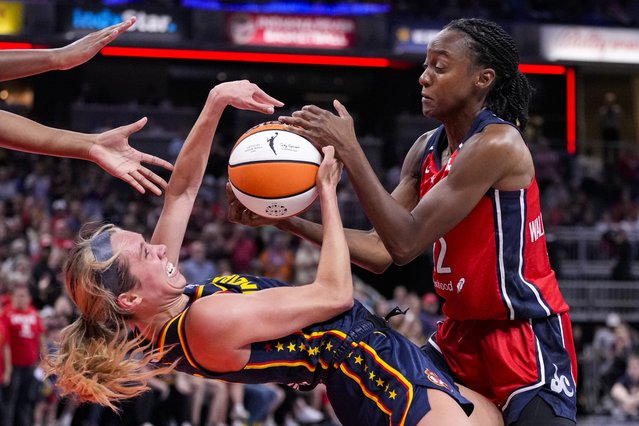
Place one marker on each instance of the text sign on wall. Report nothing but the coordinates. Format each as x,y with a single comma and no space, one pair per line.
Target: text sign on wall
147,22
321,32
589,44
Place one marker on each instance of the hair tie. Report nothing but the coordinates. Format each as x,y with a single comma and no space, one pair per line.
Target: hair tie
102,250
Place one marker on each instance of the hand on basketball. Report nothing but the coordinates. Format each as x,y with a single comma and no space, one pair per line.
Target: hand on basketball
112,152
330,170
88,46
245,95
237,213
324,128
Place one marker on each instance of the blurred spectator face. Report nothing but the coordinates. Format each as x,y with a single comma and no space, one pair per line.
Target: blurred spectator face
399,294
623,338
20,297
197,251
430,303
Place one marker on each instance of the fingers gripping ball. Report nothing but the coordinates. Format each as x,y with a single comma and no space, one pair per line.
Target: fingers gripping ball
272,170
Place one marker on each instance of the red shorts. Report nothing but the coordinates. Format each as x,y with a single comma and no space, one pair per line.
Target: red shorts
510,362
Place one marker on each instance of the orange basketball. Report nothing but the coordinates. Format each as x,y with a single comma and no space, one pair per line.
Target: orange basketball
272,170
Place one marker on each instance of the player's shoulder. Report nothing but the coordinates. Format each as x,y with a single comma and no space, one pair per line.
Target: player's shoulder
498,138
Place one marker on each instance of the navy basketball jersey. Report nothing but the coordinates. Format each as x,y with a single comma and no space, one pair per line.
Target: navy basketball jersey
373,375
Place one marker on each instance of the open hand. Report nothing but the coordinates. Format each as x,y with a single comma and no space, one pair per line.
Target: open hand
245,95
323,128
112,152
88,46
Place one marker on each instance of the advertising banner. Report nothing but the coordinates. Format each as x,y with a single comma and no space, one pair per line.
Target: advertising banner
151,24
589,44
302,31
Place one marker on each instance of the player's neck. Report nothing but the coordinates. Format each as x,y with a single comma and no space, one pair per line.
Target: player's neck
457,129
150,324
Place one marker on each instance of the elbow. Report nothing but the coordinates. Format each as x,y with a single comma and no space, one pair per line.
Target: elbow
379,267
334,301
346,303
402,255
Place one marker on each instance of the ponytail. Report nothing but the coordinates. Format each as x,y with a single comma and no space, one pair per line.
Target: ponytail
97,359
509,99
101,365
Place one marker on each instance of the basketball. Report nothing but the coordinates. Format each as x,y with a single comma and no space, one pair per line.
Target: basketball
272,170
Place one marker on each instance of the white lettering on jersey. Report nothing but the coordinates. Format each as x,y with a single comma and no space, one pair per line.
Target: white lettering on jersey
536,228
443,286
561,384
441,269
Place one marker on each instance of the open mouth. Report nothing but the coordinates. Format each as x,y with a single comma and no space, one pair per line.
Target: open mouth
170,270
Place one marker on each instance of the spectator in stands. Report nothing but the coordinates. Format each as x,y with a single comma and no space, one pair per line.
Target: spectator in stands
26,335
5,369
277,258
243,250
626,341
198,268
610,116
621,248
306,260
625,391
216,394
429,313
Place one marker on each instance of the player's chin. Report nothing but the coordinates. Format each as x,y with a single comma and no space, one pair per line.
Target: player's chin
177,282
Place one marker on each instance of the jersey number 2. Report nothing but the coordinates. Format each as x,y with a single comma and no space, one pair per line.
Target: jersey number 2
439,267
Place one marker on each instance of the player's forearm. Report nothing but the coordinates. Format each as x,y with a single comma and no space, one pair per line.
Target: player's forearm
334,267
394,224
191,162
365,248
22,134
24,63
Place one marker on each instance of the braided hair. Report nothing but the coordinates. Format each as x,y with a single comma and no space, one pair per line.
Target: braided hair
495,48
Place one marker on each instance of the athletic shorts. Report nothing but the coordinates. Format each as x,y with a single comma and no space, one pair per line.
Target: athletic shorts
510,362
383,381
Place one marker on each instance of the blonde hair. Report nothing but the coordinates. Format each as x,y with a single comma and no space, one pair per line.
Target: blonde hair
97,359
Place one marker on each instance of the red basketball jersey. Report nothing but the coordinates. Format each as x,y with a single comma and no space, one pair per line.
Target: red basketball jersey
494,263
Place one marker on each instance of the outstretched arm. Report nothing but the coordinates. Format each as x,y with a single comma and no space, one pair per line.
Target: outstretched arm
110,150
23,63
191,162
231,319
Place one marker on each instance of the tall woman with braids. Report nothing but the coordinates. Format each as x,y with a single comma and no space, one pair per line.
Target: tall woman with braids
468,189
